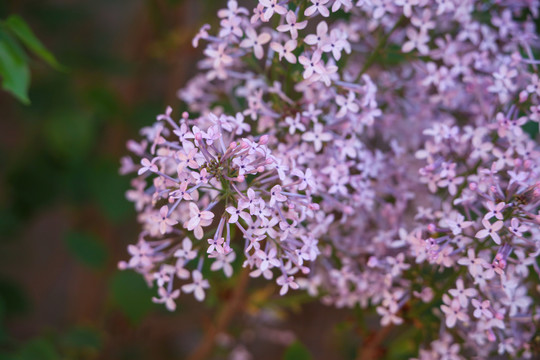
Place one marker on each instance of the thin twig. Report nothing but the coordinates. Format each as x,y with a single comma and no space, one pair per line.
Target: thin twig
371,346
203,350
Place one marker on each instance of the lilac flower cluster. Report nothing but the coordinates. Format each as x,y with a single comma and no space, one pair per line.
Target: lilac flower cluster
349,148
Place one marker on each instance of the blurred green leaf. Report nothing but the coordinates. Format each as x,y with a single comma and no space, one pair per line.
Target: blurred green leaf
297,351
403,346
82,337
14,68
531,128
37,349
4,337
392,56
8,223
108,190
131,294
13,298
19,27
87,249
70,134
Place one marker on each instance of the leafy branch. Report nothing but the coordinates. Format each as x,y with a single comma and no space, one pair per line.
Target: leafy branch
15,37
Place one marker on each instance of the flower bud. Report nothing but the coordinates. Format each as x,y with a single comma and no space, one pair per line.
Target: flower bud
264,140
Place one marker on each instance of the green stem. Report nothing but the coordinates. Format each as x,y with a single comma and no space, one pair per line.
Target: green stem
382,43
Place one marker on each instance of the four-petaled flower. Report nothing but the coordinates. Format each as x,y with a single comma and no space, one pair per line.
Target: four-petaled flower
311,66
198,220
286,50
494,210
276,195
317,136
255,41
167,298
163,220
271,6
306,179
317,6
197,286
462,294
453,311
286,282
491,230
292,25
482,309
235,213
268,259
417,40
147,165
516,228
186,252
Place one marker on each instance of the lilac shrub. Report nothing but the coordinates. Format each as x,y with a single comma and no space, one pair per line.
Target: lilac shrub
374,153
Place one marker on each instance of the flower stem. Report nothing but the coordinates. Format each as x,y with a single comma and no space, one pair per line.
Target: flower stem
227,313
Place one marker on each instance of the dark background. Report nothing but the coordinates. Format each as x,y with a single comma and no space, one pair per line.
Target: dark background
64,221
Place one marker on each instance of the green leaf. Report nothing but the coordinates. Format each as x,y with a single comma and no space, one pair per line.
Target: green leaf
82,338
19,27
14,300
87,249
297,351
69,135
108,189
404,345
531,128
131,294
41,349
14,68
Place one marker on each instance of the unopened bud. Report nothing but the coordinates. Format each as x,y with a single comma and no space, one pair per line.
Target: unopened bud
263,140
523,96
372,262
491,335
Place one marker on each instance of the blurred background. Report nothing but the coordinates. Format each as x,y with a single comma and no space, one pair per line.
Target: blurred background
64,220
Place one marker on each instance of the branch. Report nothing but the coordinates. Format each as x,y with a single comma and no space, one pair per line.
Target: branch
371,346
203,350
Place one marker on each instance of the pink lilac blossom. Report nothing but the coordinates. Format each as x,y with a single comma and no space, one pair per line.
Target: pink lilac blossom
311,161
